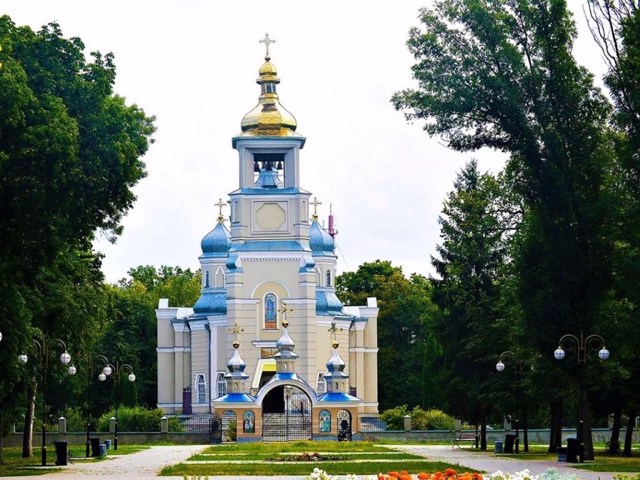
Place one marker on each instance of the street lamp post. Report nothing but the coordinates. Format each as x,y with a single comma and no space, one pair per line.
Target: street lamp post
582,346
43,350
91,363
116,370
287,395
518,366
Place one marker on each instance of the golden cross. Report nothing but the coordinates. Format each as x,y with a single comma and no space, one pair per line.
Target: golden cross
334,330
315,204
236,329
220,204
267,41
283,310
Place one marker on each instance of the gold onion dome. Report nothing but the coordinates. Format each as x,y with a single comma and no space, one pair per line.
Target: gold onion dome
269,118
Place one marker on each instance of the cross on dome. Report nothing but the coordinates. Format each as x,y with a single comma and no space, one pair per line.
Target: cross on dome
220,204
267,41
237,330
283,310
315,204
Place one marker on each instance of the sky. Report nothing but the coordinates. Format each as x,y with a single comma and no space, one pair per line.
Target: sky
193,64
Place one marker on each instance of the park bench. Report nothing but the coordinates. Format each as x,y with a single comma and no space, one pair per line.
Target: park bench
465,436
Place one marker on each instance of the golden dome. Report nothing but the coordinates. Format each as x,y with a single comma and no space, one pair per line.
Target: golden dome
269,118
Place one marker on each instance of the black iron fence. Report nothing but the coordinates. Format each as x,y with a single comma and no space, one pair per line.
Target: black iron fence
372,422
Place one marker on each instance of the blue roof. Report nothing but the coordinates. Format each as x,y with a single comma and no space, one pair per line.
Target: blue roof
235,398
337,397
211,302
327,303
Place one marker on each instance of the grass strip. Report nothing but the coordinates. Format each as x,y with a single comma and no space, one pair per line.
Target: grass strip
292,457
334,468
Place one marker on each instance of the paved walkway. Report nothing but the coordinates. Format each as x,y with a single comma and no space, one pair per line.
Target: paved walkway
490,463
146,464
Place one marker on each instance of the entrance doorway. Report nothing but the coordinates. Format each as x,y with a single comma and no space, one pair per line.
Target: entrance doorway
286,415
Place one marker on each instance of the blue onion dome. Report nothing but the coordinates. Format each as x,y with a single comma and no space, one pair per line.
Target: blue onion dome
335,362
236,363
218,240
319,240
285,343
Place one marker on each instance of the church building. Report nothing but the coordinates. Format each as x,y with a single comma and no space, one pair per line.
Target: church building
268,342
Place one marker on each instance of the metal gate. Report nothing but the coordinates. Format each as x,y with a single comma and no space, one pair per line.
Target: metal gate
286,415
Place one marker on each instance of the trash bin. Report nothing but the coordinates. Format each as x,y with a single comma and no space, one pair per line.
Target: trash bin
509,440
62,452
103,449
572,450
95,447
562,454
498,446
108,444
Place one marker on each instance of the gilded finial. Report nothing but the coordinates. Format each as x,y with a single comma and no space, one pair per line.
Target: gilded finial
315,204
220,204
267,41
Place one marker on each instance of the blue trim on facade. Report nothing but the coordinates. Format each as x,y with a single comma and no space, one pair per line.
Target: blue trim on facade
267,246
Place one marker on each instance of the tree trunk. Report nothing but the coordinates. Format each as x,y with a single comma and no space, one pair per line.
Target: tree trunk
628,436
614,441
588,437
525,427
483,430
555,434
27,434
1,439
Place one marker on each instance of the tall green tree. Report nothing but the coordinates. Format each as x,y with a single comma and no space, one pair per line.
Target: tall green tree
502,75
615,26
469,260
403,327
130,337
70,153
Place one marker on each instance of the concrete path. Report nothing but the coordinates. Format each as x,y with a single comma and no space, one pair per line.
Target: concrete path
146,464
489,462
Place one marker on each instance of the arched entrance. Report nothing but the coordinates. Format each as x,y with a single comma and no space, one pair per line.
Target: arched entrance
344,426
286,415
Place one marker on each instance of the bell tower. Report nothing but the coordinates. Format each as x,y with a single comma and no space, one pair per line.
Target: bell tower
270,263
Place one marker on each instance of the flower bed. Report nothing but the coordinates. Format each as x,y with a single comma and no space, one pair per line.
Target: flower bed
451,474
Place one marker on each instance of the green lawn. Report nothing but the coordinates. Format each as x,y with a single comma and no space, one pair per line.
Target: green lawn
360,458
16,466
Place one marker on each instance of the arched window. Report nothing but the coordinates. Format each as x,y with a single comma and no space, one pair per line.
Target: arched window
234,212
219,278
206,279
248,421
201,388
270,311
324,419
328,278
221,384
321,383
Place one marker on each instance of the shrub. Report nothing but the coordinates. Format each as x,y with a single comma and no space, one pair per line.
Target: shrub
132,419
394,417
420,419
431,420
